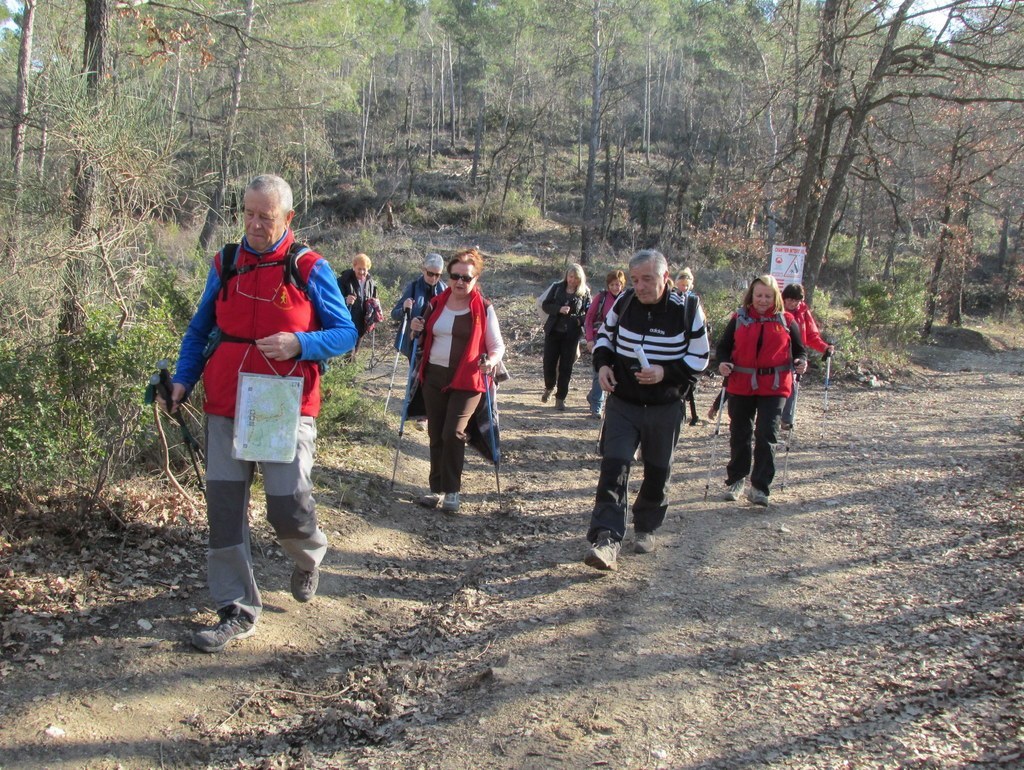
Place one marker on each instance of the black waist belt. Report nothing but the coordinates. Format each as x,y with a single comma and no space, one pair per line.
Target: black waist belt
232,338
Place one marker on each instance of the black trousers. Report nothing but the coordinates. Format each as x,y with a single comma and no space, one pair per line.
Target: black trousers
560,354
757,417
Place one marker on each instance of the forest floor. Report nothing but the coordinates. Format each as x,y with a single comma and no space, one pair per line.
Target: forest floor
871,617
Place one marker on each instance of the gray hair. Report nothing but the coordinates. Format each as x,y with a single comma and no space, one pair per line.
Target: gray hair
434,261
644,256
275,187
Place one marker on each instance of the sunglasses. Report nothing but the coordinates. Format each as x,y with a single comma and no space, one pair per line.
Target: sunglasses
431,275
464,277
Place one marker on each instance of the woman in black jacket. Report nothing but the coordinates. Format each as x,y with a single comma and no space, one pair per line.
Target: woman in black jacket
357,287
566,304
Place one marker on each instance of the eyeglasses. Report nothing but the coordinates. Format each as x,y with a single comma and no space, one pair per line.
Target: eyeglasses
431,275
464,277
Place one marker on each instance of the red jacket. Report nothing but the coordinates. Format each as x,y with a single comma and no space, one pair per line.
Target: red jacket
467,373
258,304
762,354
808,328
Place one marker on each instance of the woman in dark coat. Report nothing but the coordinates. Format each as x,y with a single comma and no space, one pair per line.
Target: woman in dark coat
566,304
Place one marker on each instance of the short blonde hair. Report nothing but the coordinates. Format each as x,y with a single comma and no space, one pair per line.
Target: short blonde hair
615,275
361,259
686,274
764,280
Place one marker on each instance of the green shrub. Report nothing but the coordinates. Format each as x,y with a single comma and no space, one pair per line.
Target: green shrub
884,312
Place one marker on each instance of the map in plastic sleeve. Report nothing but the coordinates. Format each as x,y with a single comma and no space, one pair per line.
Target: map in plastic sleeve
267,418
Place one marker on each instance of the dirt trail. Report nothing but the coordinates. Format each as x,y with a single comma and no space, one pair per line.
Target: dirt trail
871,617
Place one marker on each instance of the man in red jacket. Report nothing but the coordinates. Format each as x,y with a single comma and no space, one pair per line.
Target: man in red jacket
270,314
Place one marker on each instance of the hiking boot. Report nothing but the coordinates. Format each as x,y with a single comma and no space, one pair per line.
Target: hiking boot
645,542
786,426
757,497
560,404
304,584
604,553
546,395
430,500
734,490
421,423
228,629
451,502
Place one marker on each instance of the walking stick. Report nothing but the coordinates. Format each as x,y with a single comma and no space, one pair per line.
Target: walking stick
828,382
488,380
398,353
789,432
161,382
714,445
405,408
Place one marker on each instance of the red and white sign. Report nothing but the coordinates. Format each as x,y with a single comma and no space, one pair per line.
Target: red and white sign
788,264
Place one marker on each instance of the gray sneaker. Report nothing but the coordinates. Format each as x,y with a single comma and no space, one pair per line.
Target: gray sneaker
757,497
451,502
216,638
734,490
604,553
304,584
430,500
645,542
546,395
560,404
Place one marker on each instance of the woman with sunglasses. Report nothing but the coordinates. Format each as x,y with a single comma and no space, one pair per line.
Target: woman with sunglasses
461,343
415,298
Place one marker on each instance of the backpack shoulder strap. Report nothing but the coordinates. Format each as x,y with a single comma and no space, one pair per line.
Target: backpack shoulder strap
689,313
228,270
292,274
627,297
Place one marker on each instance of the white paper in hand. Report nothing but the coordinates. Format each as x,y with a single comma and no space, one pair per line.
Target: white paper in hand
641,356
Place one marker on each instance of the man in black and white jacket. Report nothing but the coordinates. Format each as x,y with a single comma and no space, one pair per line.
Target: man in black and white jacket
653,344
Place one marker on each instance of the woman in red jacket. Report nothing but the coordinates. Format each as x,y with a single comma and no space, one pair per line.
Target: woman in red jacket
461,343
759,350
793,301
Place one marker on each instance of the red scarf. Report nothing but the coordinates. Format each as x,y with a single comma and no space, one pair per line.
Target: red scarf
467,372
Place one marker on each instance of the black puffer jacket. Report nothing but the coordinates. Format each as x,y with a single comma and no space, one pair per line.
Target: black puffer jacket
571,324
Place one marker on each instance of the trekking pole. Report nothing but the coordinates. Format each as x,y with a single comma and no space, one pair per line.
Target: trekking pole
488,380
828,382
161,382
398,353
714,445
405,408
789,432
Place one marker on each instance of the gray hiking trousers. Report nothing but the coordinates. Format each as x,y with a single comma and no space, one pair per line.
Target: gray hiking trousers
290,511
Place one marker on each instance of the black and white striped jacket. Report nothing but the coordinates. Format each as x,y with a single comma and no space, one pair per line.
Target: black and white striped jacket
673,334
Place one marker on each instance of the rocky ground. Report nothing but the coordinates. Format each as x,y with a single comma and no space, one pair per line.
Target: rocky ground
870,618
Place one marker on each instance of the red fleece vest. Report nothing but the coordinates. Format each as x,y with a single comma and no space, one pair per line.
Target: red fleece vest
761,343
260,303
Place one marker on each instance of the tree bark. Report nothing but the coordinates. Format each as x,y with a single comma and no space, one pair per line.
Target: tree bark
589,193
21,95
215,212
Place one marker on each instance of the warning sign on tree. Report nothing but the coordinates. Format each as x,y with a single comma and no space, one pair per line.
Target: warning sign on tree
788,264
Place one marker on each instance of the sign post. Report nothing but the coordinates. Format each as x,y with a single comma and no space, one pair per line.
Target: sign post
788,264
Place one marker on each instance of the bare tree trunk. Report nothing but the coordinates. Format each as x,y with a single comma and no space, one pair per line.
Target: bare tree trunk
71,320
21,95
215,212
432,118
589,193
478,139
647,101
932,300
364,123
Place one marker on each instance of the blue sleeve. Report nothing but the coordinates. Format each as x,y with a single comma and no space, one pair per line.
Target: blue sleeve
337,334
398,310
190,357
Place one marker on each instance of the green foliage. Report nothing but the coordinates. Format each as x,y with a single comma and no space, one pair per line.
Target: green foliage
888,313
343,409
509,216
72,412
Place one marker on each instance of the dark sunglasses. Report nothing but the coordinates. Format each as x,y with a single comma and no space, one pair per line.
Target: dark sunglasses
431,275
465,278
